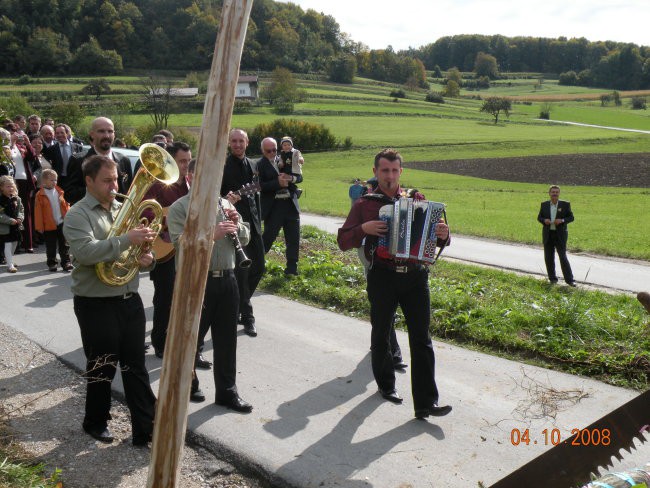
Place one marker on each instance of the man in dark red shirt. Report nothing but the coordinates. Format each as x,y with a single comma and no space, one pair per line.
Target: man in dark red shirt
391,283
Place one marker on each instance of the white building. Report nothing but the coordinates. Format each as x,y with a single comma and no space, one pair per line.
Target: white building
246,87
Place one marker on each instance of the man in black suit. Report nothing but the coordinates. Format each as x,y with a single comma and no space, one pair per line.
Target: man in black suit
60,153
280,209
102,135
555,215
239,171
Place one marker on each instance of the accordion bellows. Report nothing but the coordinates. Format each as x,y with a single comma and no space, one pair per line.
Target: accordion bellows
411,230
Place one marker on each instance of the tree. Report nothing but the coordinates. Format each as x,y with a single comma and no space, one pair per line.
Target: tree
90,58
496,105
451,90
69,112
486,65
96,87
283,91
453,74
437,73
342,68
158,100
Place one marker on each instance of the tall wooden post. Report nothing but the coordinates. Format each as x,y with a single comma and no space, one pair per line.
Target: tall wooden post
195,250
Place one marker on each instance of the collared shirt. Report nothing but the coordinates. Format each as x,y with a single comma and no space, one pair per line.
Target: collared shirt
53,196
223,251
553,214
86,227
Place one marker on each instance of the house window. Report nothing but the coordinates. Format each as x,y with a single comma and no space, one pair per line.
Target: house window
242,91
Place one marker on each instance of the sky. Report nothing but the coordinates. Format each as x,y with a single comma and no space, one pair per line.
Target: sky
414,23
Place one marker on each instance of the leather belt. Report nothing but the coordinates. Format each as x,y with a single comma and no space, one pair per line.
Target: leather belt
283,196
400,268
220,273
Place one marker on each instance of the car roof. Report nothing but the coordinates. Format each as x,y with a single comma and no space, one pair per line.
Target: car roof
132,154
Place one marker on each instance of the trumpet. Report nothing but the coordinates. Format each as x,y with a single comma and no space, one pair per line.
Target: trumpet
241,259
157,165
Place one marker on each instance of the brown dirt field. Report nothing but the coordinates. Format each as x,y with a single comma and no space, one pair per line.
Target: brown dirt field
573,96
622,170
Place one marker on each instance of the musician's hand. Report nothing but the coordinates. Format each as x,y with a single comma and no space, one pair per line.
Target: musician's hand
284,180
146,260
223,229
442,230
233,215
232,197
374,227
141,235
547,221
558,221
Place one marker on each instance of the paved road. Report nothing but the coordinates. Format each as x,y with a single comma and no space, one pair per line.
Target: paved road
318,421
617,274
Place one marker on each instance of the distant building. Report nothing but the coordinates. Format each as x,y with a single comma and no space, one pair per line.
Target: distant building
247,87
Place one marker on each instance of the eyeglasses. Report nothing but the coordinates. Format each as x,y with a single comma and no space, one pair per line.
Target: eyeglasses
270,151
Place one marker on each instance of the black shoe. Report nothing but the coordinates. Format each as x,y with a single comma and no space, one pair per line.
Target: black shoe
249,329
391,396
52,268
141,440
3,260
291,272
100,434
158,353
201,362
236,404
399,364
67,267
197,396
571,283
434,410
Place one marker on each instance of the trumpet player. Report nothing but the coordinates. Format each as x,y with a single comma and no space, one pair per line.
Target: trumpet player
111,318
221,302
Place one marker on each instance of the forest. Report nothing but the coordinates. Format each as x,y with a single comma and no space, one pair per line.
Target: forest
107,37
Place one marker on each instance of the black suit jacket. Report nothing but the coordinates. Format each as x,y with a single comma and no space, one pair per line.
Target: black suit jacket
563,212
237,173
53,155
75,185
268,175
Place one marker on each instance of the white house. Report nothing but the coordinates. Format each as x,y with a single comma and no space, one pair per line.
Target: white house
246,87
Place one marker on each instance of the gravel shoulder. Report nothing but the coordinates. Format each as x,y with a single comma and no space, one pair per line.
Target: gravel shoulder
42,402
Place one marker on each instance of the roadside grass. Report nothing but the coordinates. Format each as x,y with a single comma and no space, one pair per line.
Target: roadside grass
590,333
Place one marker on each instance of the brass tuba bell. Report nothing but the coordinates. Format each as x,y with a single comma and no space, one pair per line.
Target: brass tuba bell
157,164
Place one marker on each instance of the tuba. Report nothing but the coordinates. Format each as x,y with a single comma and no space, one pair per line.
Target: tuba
157,164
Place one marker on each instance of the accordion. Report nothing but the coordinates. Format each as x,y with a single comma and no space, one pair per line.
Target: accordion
411,230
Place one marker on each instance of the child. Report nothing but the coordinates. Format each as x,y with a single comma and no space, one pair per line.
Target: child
290,162
49,211
11,219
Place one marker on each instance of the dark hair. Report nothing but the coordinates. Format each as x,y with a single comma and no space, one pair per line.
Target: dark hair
178,146
32,137
92,165
191,166
389,154
166,133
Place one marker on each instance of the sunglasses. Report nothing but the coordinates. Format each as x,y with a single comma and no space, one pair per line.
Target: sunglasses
270,151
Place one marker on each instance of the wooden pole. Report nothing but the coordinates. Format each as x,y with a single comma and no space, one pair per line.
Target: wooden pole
195,249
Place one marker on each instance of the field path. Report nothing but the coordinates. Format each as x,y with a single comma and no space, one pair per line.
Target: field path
596,126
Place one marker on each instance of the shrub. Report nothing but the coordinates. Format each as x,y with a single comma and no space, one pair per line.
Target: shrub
14,105
398,94
434,97
638,103
242,107
568,78
306,136
24,80
67,112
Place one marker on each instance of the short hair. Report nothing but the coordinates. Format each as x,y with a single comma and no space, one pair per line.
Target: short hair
391,154
178,146
166,133
237,129
34,117
6,180
275,143
46,127
159,138
92,165
33,137
191,166
19,118
553,187
61,125
48,173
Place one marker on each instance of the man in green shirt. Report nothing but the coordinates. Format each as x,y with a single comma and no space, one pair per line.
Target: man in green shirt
111,318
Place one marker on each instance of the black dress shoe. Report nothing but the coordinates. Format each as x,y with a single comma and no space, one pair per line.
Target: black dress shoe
102,435
572,283
236,404
391,396
158,353
201,362
434,410
250,330
197,396
141,440
399,364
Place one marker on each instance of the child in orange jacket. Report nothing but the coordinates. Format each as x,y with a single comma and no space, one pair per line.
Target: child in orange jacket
49,210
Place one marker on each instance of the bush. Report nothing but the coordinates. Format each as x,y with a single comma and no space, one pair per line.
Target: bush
242,107
306,136
398,94
24,80
568,78
434,97
15,105
66,112
638,103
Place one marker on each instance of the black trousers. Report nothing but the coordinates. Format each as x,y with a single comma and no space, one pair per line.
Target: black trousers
386,290
112,332
54,239
249,278
219,315
285,216
552,244
28,227
163,276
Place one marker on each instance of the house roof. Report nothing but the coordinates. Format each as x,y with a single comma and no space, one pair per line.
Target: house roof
247,79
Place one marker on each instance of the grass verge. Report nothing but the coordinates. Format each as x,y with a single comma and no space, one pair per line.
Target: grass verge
590,333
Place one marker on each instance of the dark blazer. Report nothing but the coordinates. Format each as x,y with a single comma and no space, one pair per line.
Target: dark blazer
237,173
53,155
268,175
127,175
563,212
75,185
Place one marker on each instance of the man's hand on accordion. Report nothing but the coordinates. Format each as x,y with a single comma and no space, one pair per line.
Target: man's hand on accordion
442,230
374,227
